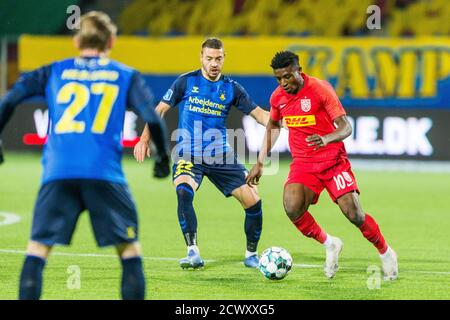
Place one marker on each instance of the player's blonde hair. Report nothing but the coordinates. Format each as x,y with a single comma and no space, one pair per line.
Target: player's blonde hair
96,31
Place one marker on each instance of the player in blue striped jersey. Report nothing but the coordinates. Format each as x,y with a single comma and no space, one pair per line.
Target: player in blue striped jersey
87,98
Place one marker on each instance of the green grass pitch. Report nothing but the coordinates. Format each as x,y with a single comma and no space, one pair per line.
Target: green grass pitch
412,210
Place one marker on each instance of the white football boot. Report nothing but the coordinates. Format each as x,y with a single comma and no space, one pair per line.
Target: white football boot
332,261
389,265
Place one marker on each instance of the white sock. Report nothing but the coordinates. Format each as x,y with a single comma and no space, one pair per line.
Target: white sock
249,254
195,248
386,254
329,242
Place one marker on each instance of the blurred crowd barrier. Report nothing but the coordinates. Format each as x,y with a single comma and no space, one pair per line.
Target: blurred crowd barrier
396,90
283,17
392,72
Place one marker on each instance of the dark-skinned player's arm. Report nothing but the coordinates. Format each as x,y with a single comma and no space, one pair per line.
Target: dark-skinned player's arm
271,135
343,130
140,99
28,85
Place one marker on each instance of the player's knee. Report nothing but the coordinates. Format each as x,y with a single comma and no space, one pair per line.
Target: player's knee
353,213
38,249
129,250
294,208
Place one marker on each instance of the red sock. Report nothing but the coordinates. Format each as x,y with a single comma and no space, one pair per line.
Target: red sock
309,227
371,232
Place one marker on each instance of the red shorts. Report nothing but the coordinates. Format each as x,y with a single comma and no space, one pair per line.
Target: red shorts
336,176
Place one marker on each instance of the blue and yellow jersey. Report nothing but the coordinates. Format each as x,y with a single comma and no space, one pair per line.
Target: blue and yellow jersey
204,106
87,99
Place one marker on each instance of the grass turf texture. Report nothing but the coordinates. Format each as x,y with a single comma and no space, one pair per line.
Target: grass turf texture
412,210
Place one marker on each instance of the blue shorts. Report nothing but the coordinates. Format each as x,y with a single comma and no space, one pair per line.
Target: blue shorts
59,204
226,177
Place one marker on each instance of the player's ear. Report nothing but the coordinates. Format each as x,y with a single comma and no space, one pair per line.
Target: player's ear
111,42
76,41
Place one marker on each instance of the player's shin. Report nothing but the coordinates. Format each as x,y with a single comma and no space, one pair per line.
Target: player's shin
371,232
133,279
31,278
253,227
309,227
186,214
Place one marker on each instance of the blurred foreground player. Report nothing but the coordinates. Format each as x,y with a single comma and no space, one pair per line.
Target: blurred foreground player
87,98
317,125
204,99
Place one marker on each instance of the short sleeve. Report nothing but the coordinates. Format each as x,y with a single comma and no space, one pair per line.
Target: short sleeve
176,92
331,102
275,114
242,100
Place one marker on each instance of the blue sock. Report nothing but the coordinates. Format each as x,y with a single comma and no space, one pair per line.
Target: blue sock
253,225
133,280
31,278
186,213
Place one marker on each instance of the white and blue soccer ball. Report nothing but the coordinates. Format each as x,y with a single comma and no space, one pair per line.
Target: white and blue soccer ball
275,263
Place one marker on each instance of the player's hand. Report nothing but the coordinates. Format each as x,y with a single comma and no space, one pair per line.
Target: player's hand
316,141
1,152
162,167
141,149
254,175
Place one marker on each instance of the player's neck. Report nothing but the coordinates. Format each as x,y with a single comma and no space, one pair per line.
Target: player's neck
207,77
93,53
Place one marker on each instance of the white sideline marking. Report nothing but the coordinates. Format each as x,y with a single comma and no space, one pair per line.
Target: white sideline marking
93,255
297,265
446,273
9,218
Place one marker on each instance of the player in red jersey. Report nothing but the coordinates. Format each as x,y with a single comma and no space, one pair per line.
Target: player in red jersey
317,125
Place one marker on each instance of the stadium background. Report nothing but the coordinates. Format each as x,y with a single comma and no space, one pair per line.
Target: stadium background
394,83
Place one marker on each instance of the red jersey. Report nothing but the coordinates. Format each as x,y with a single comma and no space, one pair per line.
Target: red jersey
311,110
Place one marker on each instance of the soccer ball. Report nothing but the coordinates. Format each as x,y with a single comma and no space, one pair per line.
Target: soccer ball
275,263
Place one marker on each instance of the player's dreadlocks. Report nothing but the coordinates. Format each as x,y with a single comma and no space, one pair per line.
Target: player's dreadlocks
284,59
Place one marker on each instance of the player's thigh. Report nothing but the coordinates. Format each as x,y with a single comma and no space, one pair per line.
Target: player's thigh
228,178
112,211
246,195
187,172
56,212
339,179
297,198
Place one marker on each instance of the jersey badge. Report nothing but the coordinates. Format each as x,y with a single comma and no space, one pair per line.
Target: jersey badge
305,104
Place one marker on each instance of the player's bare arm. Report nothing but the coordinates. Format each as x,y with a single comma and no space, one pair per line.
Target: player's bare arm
273,129
260,115
343,130
142,148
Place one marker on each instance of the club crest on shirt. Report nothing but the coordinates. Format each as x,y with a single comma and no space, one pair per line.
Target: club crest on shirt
305,104
222,96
